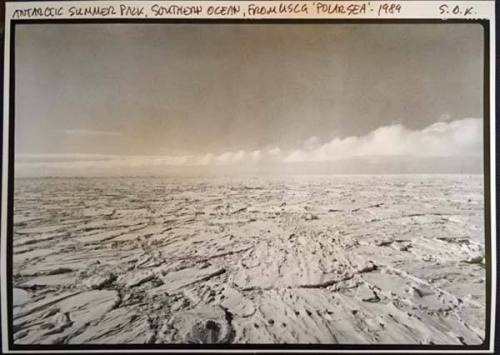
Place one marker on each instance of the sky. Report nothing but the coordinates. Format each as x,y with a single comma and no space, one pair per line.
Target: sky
128,99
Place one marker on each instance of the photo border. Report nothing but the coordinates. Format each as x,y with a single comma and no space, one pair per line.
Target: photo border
253,347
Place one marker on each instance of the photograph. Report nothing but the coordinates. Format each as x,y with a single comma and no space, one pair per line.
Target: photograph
252,182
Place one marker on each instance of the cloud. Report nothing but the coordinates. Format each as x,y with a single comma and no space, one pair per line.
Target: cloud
443,139
256,155
311,143
85,132
274,151
445,117
231,157
62,157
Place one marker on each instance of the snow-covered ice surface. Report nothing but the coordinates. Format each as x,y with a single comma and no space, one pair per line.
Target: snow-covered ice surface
291,259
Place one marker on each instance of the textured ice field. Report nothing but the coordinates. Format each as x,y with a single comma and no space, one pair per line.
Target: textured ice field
297,259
